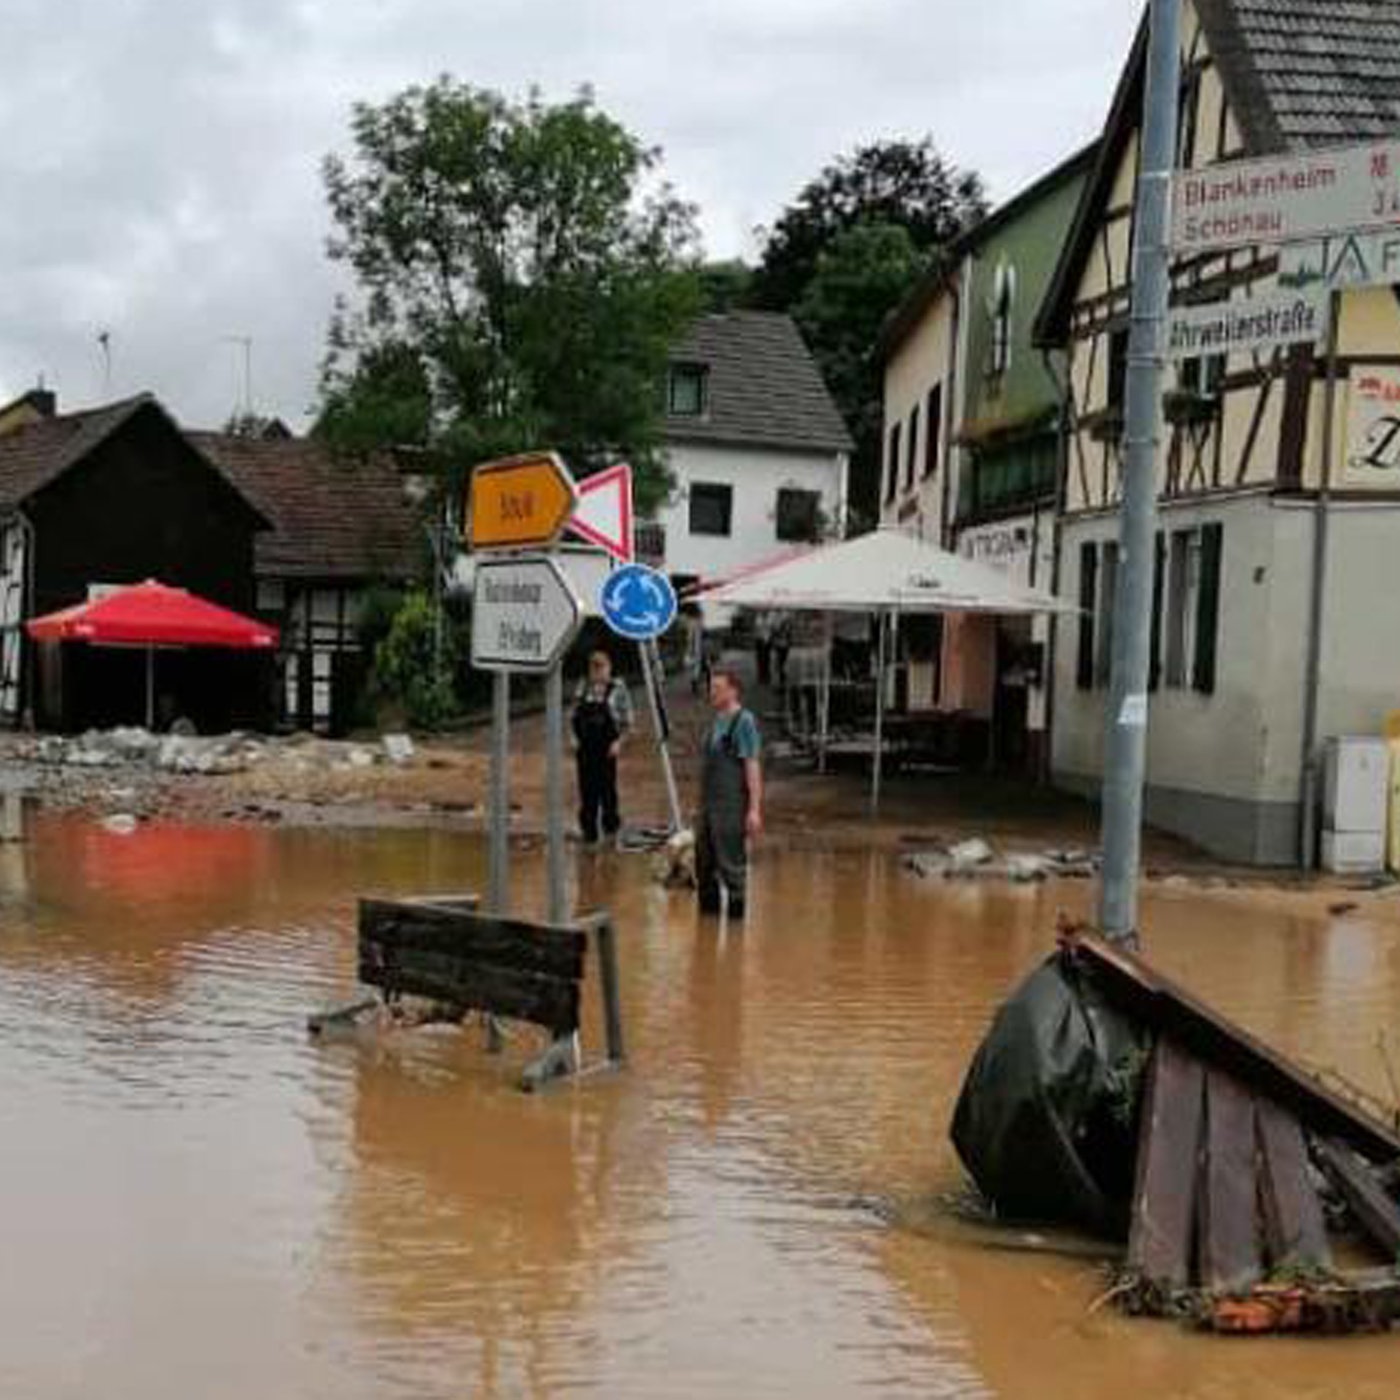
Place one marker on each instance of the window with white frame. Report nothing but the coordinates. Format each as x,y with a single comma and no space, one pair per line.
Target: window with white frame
1191,608
688,391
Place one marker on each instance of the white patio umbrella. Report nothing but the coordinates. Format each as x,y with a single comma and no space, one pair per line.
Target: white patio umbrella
885,573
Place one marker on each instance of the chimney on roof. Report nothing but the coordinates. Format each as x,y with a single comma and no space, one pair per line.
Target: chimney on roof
43,401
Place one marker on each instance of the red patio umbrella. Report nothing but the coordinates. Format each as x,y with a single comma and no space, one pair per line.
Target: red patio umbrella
153,615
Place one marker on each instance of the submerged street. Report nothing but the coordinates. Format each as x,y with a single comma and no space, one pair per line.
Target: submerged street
198,1200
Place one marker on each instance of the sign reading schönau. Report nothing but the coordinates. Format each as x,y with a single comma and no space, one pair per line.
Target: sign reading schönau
1260,323
524,614
1286,198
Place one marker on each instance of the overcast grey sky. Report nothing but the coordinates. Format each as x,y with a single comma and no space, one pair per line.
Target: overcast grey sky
160,160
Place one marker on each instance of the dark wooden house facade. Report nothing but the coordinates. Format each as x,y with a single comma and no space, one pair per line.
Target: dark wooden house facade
274,526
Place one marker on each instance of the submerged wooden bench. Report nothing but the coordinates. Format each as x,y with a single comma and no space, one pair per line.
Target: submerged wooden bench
447,952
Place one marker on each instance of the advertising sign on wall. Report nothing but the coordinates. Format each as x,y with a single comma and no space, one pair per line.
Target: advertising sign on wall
1373,430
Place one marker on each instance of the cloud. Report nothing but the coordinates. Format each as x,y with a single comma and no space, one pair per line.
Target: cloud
161,168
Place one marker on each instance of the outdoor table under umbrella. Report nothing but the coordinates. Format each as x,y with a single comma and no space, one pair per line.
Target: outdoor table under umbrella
154,616
886,574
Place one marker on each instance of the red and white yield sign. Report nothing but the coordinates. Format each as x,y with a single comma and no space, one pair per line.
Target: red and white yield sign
603,515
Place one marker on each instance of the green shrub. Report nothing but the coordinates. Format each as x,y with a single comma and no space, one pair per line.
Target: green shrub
415,663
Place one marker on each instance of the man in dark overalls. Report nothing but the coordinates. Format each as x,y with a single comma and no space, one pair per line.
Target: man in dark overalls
601,722
731,799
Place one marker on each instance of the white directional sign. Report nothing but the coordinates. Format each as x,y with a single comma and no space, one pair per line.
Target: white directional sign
1345,260
524,614
1287,198
1256,324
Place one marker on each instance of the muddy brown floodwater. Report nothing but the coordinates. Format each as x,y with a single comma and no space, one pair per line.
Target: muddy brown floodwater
195,1201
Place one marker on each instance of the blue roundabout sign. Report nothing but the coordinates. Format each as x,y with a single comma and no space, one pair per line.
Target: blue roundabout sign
638,603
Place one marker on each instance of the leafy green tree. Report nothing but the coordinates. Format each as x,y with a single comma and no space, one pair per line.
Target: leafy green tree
414,663
522,273
844,255
885,182
726,286
865,272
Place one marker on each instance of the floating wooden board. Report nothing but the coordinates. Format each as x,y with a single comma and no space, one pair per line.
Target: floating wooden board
522,971
1167,1009
1229,1255
1160,1243
1368,1200
1295,1234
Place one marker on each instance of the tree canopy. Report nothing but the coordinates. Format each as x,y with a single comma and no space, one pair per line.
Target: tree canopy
859,277
886,182
521,273
844,255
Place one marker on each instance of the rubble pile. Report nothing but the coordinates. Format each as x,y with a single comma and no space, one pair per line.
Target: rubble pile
976,859
205,755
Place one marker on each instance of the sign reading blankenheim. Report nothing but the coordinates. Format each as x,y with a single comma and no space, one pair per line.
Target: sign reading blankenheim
1261,323
1286,198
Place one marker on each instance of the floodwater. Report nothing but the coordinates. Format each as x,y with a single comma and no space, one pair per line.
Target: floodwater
196,1201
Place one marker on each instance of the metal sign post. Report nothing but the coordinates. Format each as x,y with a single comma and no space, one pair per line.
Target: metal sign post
1126,757
640,604
525,615
655,673
554,796
498,807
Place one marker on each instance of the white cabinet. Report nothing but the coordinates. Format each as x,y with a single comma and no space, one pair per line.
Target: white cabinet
1355,799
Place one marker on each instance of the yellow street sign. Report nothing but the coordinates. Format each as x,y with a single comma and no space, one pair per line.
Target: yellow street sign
521,502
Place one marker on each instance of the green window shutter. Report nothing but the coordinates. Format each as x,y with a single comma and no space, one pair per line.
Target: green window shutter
1088,595
1208,609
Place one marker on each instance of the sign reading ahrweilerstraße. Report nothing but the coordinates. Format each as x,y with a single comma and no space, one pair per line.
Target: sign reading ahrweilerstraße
524,614
1287,198
1261,323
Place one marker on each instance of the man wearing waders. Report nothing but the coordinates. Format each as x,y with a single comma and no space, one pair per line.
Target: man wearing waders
602,719
731,799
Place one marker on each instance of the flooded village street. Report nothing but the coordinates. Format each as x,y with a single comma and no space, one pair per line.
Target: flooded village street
197,1200
700,712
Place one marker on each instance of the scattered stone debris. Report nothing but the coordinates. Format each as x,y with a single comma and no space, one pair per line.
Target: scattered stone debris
131,747
398,748
976,859
121,824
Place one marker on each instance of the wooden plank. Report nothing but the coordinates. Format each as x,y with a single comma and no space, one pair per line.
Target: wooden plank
1368,1200
1167,1009
1230,1257
1169,1143
507,943
1295,1234
552,1002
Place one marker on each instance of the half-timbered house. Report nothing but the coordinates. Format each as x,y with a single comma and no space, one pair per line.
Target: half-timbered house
1254,453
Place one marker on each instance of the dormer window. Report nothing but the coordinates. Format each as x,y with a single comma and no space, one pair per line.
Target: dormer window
687,394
